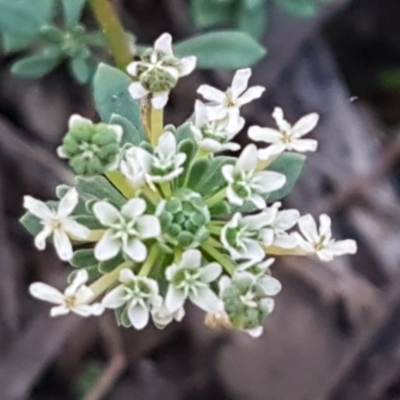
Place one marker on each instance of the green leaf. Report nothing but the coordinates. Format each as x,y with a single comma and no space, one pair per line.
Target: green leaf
111,96
109,265
302,8
222,50
31,223
252,17
291,165
35,66
13,43
99,188
132,134
197,172
184,131
80,69
89,221
221,209
24,18
83,259
206,13
72,11
188,147
92,271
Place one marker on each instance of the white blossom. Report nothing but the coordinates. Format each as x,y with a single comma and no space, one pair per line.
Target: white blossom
160,63
286,137
189,279
227,104
213,135
319,241
57,223
162,316
163,165
139,294
126,229
246,183
76,297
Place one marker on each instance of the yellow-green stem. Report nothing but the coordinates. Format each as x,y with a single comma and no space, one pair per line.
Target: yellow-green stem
116,37
156,124
106,281
119,181
150,260
216,198
262,164
151,195
219,257
166,189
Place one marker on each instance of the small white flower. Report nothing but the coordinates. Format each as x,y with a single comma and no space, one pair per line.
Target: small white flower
287,137
246,183
126,229
139,294
159,71
74,299
190,280
275,234
241,236
319,241
162,166
57,223
162,316
227,104
213,135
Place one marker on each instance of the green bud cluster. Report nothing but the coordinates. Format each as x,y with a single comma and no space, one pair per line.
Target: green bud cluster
241,314
184,219
90,148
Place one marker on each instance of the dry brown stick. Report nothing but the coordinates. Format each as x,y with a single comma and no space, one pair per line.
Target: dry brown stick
117,361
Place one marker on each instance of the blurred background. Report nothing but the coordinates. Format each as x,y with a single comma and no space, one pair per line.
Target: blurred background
335,332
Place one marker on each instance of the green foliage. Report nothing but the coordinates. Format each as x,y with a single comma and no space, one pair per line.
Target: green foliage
35,66
290,165
302,8
83,258
111,96
222,50
132,134
72,11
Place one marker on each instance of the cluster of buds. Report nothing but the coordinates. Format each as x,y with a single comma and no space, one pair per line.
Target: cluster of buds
169,220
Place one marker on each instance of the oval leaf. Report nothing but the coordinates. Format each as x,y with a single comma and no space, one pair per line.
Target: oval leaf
34,66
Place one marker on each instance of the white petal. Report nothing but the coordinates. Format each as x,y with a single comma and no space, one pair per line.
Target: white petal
267,237
63,245
282,124
138,315
200,114
126,276
174,299
255,332
211,94
233,198
76,229
61,153
59,311
325,226
167,144
233,118
286,241
228,172
164,44
84,294
247,160
210,272
132,68
207,300
271,285
143,157
137,91
80,279
257,221
87,310
159,100
269,181
341,247
251,94
171,271
308,228
115,298
136,250
268,304
134,208
258,201
148,226
287,219
210,145
106,213
38,208
188,64
305,125
45,292
191,258
271,152
118,130
223,284
107,247
303,145
267,135
68,203
253,251
77,119
240,82
40,238
161,316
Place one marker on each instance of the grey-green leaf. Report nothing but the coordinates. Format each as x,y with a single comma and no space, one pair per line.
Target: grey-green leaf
206,13
31,223
83,258
34,66
291,165
72,11
132,134
222,50
252,17
80,69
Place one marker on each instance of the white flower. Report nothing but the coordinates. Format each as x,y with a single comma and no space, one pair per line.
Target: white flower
287,137
159,71
74,299
275,233
241,236
227,104
58,223
246,183
162,316
139,294
213,135
189,280
319,241
162,166
126,229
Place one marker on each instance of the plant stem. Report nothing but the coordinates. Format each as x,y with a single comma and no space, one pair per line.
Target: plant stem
262,164
116,37
151,195
166,189
156,124
150,260
221,258
119,181
107,280
216,198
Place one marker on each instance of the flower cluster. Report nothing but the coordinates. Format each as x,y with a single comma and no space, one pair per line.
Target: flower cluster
158,222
